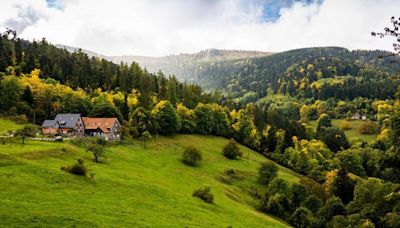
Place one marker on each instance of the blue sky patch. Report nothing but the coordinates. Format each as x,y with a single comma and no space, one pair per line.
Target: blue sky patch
272,7
55,4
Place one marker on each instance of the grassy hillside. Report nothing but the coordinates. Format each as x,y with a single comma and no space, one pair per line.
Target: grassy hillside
133,187
8,125
353,133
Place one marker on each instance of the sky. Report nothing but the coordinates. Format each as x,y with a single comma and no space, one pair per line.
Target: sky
165,27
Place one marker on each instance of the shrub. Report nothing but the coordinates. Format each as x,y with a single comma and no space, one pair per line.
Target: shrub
78,168
278,185
333,206
101,141
302,217
298,194
231,150
277,205
334,138
97,150
83,141
204,193
27,131
313,203
146,136
267,172
368,127
191,156
324,120
345,125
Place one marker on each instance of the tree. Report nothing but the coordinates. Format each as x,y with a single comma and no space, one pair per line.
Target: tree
9,92
371,199
204,119
222,125
368,127
302,218
27,96
231,150
26,131
191,156
313,203
345,125
168,121
391,158
188,122
324,121
350,161
243,127
333,206
394,32
141,121
104,108
277,204
298,194
343,186
278,185
146,136
334,138
97,150
267,172
172,90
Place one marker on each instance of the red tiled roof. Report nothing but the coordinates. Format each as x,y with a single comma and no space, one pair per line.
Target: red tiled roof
103,123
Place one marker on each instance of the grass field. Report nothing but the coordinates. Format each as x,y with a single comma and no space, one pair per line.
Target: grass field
353,133
133,187
6,125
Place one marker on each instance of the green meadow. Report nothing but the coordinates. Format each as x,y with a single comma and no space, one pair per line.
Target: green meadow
353,133
132,187
8,125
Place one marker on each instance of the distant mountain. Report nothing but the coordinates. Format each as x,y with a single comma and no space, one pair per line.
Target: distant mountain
184,66
208,55
318,73
73,49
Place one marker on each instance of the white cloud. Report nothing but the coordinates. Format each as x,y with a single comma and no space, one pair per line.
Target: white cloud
162,27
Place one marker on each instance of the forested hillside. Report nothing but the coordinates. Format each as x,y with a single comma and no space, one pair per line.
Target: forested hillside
75,82
319,73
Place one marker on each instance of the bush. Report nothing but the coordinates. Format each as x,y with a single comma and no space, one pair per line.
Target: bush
267,172
313,203
278,185
204,193
345,125
191,156
78,168
324,120
302,217
277,205
97,150
368,127
298,194
231,150
334,138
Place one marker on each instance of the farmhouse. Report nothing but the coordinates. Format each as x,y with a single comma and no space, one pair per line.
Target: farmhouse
75,125
108,128
65,124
